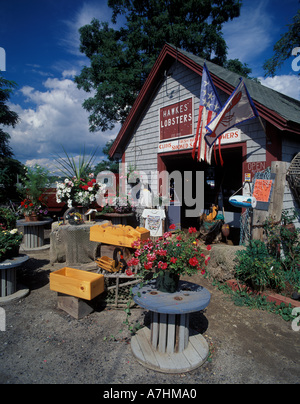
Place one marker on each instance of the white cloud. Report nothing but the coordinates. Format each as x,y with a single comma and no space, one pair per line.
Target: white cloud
285,84
55,117
82,17
249,35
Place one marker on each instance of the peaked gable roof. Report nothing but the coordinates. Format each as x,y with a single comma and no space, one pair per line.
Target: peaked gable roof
282,111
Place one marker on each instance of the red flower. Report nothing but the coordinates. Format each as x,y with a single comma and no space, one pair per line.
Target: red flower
193,261
162,265
192,230
173,260
162,252
148,265
133,262
172,227
129,272
208,247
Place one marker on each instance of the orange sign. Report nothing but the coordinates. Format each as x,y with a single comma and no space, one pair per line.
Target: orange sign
262,190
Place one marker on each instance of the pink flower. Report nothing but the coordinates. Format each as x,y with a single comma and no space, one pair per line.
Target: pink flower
133,262
136,244
151,257
129,272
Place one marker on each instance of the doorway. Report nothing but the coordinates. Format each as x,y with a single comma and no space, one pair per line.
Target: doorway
220,182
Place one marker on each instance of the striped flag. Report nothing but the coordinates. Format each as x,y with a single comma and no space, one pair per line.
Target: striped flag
210,105
239,108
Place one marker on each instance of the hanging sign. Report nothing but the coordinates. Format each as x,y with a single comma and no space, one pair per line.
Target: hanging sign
175,145
177,119
263,192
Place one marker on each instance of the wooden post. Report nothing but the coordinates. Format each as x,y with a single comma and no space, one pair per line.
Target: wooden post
276,203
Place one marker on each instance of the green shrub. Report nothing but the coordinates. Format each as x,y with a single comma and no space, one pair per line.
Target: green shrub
256,268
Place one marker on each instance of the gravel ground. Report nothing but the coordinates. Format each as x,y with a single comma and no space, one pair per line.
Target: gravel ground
43,344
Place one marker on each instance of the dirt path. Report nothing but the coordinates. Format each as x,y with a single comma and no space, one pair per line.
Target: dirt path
42,344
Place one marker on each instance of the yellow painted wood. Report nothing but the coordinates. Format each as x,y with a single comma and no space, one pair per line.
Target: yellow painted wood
118,235
108,264
78,283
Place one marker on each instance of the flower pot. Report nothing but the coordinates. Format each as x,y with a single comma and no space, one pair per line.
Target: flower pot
167,281
33,217
10,253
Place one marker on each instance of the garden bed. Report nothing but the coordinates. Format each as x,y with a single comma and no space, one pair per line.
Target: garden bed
270,295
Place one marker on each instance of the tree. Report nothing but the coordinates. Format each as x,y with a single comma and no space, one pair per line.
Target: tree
122,59
7,117
109,164
283,48
9,167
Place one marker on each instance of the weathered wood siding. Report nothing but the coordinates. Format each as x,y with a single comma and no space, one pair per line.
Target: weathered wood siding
141,151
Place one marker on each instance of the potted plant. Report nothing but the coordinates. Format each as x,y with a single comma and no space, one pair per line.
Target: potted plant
81,191
169,257
32,211
34,184
10,240
8,218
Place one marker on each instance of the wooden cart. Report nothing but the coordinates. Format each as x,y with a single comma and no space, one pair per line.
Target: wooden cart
116,249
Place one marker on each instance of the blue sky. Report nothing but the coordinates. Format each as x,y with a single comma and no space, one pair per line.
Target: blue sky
41,41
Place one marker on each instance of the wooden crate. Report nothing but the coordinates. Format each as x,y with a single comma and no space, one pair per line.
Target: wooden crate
118,235
78,283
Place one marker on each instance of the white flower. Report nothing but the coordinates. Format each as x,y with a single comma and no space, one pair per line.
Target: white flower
14,231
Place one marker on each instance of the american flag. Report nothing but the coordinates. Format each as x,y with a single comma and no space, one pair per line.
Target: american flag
209,107
238,108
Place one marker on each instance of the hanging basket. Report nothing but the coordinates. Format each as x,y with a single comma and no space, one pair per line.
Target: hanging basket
293,177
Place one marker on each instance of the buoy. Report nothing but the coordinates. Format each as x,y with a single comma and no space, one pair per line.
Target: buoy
242,201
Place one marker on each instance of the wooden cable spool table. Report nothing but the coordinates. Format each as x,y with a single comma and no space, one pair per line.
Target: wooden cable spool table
8,279
169,345
34,233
